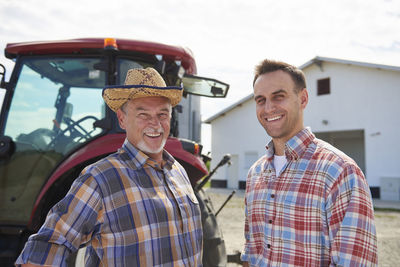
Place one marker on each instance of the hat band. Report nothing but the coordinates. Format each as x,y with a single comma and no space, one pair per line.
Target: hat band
141,86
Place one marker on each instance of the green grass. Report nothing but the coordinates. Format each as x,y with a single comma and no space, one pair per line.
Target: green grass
208,184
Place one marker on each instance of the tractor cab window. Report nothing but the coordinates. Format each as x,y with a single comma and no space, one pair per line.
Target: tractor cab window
55,103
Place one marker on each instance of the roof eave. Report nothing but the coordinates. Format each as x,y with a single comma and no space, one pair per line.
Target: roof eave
319,59
229,108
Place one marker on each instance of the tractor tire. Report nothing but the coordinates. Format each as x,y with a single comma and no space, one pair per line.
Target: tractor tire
214,251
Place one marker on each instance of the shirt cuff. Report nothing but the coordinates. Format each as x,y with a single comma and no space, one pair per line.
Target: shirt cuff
244,256
43,253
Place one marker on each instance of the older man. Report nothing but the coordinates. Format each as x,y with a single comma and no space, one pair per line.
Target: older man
135,207
307,203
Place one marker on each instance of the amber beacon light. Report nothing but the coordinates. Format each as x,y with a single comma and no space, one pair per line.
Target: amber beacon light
110,43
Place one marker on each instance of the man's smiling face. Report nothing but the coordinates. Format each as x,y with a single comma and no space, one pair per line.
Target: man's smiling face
279,105
147,124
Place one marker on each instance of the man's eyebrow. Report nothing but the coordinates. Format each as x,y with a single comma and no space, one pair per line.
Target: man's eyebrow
279,92
165,109
140,108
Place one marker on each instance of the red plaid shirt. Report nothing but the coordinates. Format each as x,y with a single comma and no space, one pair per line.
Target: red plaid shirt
318,212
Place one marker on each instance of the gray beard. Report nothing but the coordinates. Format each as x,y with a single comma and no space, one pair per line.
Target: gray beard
143,147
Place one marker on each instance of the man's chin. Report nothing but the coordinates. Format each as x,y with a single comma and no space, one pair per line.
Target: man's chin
273,133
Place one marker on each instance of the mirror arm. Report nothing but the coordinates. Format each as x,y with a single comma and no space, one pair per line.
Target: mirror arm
3,74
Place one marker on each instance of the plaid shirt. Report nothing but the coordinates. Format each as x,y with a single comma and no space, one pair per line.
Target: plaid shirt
128,212
318,212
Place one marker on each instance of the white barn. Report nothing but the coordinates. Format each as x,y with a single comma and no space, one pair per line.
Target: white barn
353,105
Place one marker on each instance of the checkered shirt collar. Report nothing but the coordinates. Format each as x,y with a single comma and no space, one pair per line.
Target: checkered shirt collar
295,147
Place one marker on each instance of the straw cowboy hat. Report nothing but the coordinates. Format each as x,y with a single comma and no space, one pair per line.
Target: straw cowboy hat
140,83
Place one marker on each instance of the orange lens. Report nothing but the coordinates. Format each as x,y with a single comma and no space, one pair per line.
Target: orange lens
110,42
196,149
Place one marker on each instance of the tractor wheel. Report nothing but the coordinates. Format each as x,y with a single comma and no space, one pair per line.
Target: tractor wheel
214,252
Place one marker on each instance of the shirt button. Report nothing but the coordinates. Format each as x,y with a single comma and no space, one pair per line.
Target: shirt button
268,246
272,195
270,221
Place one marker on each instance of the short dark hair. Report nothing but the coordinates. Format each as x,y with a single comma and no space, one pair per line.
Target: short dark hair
268,65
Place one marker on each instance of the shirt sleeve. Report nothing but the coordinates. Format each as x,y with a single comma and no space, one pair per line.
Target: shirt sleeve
245,252
70,223
350,218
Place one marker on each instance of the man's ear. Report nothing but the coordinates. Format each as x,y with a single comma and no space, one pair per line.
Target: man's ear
121,118
303,98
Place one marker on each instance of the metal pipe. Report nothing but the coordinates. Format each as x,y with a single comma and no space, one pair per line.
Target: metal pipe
226,201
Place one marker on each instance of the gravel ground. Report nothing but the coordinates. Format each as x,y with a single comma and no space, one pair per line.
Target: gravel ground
231,221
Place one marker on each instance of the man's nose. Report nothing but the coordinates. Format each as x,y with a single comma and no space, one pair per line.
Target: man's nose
269,106
154,120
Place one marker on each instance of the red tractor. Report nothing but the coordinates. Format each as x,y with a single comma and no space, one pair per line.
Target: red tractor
54,122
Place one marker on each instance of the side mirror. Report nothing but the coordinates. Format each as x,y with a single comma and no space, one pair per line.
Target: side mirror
7,147
202,86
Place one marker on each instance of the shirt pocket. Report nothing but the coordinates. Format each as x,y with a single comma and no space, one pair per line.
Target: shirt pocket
189,193
192,197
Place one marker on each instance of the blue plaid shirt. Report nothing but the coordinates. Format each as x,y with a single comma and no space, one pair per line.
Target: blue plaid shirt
127,211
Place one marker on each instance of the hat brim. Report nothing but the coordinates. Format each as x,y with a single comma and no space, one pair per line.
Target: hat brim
116,96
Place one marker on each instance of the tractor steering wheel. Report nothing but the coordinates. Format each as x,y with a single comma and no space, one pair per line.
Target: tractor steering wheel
74,127
76,132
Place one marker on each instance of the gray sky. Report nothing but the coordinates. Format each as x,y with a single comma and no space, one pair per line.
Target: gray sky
227,37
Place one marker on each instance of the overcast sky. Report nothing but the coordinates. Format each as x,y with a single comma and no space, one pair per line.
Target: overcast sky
228,37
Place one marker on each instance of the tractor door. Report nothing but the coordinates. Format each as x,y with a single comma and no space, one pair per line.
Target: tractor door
54,105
